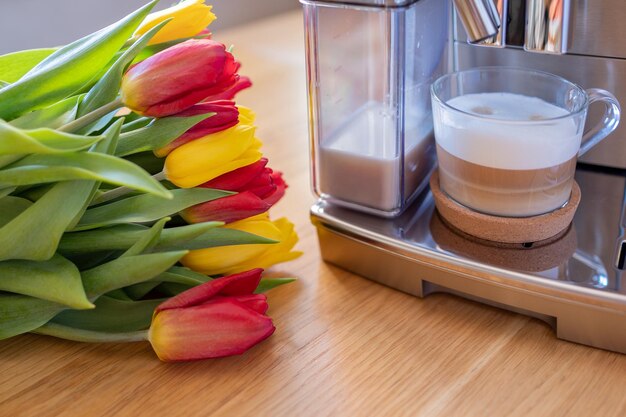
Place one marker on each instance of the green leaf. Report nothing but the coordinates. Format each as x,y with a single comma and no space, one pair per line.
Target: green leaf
20,314
111,315
148,239
3,84
122,237
148,161
38,169
13,66
107,88
119,294
138,291
126,271
11,207
158,133
56,280
107,146
145,208
89,336
53,116
182,275
16,141
69,68
6,191
210,239
35,233
172,289
131,125
267,284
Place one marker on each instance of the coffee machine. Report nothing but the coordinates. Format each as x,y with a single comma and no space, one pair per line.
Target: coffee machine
369,67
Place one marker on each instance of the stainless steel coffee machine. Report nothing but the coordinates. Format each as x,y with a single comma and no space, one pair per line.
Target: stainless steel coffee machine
370,64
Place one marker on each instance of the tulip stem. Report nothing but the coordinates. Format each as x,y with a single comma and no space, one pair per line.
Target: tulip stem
89,336
91,117
120,191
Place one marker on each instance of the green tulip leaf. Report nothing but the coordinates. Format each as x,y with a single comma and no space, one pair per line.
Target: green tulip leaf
107,88
111,315
21,314
123,236
39,169
13,66
126,271
68,69
140,122
11,207
148,239
35,233
9,159
172,289
53,116
138,291
212,238
183,276
56,280
148,161
89,336
16,141
119,294
145,208
158,133
267,284
3,84
6,191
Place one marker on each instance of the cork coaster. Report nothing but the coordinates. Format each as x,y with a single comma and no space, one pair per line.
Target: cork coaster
524,230
541,256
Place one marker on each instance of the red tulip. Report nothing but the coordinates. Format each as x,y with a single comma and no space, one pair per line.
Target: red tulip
241,84
226,115
219,318
179,77
258,188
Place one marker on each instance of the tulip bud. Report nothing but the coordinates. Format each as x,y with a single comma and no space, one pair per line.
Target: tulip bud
189,18
226,115
232,259
258,187
179,77
226,209
208,157
218,318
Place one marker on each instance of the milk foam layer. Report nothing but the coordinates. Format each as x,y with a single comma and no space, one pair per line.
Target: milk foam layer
499,138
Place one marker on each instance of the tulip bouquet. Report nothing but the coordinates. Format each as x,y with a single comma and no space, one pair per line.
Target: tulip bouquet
134,196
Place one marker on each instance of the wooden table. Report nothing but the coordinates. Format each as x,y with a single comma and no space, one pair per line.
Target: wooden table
343,346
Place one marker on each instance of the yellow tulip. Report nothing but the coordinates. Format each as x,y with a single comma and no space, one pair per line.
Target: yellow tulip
238,258
189,17
208,157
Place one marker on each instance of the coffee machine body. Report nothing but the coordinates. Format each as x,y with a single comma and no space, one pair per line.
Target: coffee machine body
574,283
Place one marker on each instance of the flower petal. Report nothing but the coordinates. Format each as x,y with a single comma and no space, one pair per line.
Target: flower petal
237,284
222,328
237,179
226,209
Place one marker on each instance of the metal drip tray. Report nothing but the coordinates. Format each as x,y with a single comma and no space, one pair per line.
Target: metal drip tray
573,283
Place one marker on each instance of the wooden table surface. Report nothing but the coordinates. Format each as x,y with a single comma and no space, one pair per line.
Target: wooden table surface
343,345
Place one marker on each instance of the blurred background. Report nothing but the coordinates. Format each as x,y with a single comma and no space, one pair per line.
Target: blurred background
26,24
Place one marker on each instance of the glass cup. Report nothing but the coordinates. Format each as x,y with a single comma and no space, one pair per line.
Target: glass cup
508,138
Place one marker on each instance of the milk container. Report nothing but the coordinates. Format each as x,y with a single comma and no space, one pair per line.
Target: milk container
370,64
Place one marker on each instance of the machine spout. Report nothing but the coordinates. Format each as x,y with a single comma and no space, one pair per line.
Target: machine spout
480,18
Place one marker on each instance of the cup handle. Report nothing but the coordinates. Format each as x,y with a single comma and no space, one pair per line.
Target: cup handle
609,121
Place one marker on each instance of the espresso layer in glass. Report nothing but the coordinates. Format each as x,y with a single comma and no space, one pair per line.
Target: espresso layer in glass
505,192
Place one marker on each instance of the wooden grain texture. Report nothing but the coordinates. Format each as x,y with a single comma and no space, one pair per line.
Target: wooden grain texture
344,346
